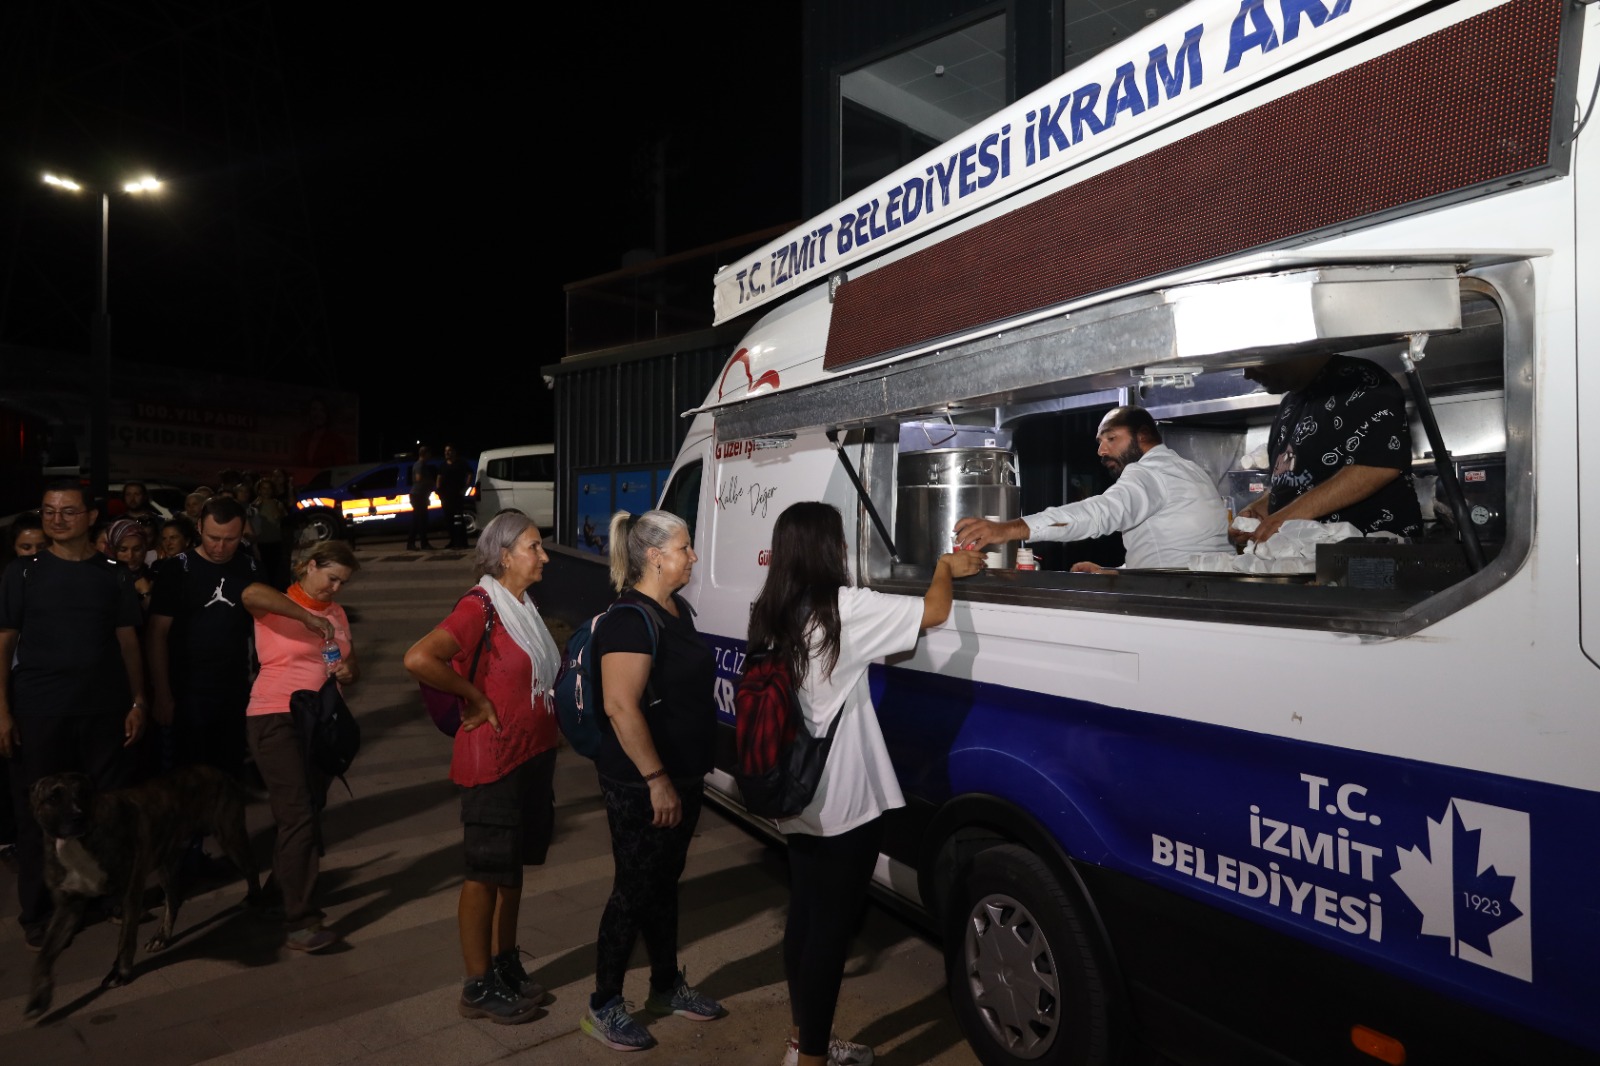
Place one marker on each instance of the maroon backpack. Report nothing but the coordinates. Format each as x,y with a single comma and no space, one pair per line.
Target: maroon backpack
779,761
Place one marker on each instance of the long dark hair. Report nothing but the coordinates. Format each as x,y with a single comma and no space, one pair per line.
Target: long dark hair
807,569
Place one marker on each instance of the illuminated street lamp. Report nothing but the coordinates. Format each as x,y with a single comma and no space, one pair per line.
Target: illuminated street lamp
100,396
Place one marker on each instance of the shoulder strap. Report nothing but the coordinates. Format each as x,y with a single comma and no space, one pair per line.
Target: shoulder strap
652,625
488,628
650,622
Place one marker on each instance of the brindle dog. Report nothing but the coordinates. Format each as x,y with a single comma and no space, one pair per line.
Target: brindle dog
108,844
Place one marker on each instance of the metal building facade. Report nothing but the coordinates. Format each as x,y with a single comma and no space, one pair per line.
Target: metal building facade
619,411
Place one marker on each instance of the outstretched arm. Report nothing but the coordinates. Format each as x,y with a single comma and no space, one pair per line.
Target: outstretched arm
937,600
261,599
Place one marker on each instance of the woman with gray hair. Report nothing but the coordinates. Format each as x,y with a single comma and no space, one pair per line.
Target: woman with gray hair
495,653
657,678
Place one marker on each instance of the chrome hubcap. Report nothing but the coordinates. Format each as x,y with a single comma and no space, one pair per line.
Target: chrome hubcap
1011,973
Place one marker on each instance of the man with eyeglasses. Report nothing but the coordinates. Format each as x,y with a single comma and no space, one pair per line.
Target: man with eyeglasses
75,698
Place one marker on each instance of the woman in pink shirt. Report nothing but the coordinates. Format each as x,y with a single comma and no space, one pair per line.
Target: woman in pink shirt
292,659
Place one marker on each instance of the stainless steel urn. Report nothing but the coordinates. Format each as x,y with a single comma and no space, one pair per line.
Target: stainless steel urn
939,487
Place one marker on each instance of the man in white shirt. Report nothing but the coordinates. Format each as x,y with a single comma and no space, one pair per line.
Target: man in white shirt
1165,506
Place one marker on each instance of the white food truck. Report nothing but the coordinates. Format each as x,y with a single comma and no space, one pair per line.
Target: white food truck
1144,806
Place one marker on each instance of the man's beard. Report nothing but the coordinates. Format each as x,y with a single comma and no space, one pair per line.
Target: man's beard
1116,463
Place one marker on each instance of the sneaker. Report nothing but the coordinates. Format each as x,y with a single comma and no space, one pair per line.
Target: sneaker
508,966
685,1002
488,997
840,1053
311,940
614,1027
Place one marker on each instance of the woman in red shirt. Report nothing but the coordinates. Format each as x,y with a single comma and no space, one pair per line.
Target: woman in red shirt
506,770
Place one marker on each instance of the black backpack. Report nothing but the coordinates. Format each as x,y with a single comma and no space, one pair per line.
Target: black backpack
779,762
330,733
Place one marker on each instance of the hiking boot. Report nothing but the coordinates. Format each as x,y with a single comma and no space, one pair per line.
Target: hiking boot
614,1027
508,967
488,997
685,1002
840,1053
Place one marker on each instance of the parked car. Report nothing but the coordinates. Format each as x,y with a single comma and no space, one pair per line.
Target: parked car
376,499
523,477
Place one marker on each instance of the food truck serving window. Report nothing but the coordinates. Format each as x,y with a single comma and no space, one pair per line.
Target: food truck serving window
1023,448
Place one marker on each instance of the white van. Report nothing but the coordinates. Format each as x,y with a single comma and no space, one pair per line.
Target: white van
1317,818
523,477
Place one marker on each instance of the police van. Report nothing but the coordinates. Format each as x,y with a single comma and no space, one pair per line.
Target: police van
344,502
1338,817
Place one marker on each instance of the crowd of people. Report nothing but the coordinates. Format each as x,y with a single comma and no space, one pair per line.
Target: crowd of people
129,648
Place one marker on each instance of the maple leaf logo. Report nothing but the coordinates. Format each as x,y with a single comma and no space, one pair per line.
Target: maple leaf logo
1482,900
1476,860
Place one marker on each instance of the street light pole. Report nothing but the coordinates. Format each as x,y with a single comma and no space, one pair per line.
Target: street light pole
100,341
100,396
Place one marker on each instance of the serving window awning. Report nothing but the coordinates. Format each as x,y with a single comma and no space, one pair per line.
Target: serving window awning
1205,326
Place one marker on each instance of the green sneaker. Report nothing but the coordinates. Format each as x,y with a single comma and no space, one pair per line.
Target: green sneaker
684,1001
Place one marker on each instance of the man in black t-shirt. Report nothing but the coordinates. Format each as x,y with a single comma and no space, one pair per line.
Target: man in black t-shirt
74,700
199,636
1340,448
453,476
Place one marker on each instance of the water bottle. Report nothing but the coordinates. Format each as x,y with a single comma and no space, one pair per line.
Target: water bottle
331,655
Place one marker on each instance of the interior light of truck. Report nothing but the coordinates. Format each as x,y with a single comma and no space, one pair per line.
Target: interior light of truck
1380,1046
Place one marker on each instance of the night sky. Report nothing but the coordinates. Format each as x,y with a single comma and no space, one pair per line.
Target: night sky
431,182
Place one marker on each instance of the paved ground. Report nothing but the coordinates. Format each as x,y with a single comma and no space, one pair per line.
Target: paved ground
228,993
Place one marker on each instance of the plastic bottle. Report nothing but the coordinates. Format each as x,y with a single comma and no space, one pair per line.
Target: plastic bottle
1025,558
331,656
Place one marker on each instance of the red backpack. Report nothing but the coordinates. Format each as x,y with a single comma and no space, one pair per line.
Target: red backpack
779,761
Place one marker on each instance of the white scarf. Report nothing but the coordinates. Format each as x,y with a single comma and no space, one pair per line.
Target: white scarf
528,631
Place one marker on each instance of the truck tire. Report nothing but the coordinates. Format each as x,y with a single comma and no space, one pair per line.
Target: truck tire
1026,981
318,526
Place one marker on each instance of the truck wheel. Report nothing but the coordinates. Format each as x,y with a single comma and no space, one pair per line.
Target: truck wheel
1025,979
320,526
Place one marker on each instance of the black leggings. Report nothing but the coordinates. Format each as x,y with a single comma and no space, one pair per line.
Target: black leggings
644,896
828,879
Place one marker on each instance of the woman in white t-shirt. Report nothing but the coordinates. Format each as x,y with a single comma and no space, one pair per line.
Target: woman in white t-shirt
831,631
